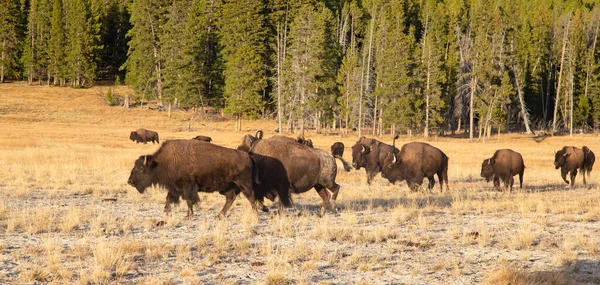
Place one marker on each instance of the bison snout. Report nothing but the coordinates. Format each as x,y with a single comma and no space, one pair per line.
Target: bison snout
130,182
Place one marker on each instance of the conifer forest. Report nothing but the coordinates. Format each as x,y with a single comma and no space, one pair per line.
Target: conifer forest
428,67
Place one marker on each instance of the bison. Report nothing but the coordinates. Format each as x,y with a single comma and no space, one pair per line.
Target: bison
143,136
415,161
570,158
186,167
505,164
371,154
337,149
249,140
203,138
282,162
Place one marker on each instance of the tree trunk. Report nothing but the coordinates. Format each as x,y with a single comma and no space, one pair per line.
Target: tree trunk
471,115
522,101
562,59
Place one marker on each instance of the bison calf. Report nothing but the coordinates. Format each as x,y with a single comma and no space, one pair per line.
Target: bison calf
143,136
570,158
503,166
186,167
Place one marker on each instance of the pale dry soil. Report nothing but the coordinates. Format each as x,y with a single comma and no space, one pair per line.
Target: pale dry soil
68,216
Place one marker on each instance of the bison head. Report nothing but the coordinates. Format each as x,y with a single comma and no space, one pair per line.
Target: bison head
359,152
390,169
132,135
559,158
487,169
141,174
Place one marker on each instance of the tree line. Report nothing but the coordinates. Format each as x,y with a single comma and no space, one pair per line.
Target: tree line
374,66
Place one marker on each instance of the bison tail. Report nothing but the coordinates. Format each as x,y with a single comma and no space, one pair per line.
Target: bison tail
344,162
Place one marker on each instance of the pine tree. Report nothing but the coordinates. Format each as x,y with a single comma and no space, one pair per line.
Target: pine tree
57,68
35,56
9,38
243,38
144,62
83,36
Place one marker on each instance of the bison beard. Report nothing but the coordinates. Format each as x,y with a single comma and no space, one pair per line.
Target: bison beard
569,159
503,165
185,167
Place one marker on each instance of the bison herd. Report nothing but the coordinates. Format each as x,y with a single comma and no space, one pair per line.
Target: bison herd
279,166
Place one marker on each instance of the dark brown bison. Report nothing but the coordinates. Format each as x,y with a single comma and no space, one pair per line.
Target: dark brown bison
143,136
203,138
249,140
371,154
186,167
415,161
337,148
570,158
503,166
303,169
309,143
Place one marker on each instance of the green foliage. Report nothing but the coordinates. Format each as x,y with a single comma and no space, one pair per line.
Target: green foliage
10,37
582,112
110,99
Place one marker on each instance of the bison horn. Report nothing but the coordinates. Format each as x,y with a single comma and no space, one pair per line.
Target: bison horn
565,154
145,159
363,148
394,161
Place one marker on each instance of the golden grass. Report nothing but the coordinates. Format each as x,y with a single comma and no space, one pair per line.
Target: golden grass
63,152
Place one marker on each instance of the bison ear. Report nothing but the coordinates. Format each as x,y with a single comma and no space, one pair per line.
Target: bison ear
149,161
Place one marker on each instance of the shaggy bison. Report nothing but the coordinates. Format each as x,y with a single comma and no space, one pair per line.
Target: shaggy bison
249,140
570,158
186,167
503,166
203,138
371,154
337,149
415,161
143,136
284,162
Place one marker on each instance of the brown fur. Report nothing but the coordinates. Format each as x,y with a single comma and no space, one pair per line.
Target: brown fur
203,138
143,136
249,140
503,165
569,159
415,161
370,154
186,167
304,167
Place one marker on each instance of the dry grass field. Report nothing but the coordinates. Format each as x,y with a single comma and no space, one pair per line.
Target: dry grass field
67,214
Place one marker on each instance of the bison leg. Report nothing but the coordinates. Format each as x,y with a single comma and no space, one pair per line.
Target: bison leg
431,182
573,175
247,191
496,183
583,174
190,195
370,176
172,198
563,174
324,193
521,179
229,198
444,178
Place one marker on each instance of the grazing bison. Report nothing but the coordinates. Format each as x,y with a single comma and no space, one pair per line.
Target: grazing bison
284,162
143,136
186,167
249,140
503,166
371,154
415,161
570,158
203,138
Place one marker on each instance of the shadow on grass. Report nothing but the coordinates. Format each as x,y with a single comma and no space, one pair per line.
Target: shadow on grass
578,272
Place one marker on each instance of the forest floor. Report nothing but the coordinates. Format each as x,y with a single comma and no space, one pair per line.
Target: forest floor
67,214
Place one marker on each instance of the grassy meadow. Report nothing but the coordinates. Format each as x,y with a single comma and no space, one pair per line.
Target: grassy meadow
67,214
